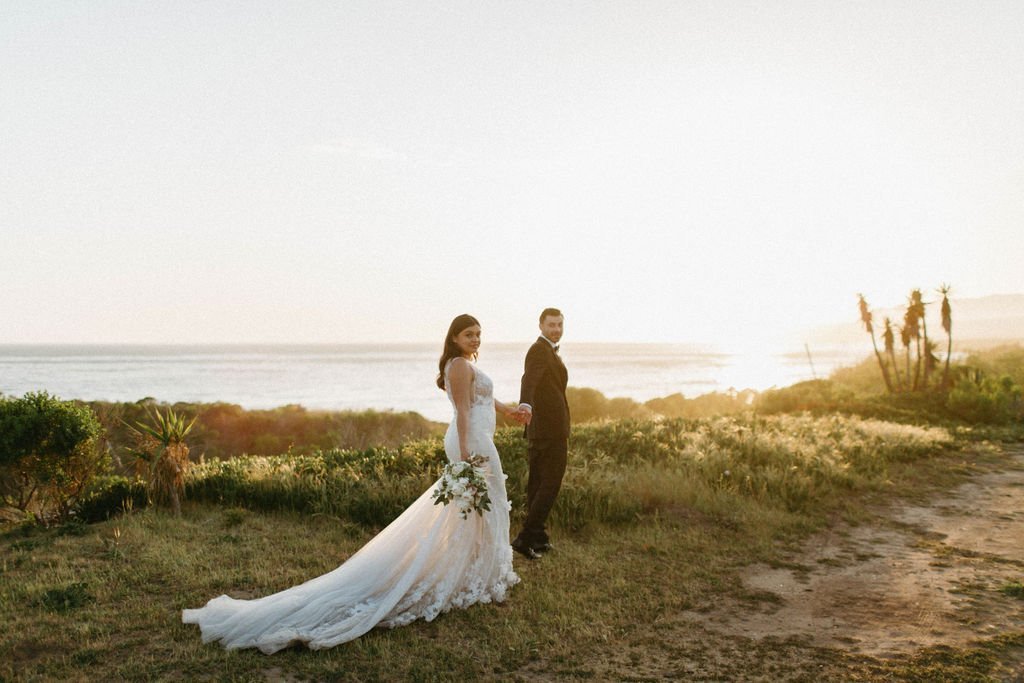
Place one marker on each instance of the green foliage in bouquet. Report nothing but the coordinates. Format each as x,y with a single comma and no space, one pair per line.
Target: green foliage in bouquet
463,483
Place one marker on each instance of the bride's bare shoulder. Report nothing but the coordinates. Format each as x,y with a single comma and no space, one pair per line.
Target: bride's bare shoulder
459,368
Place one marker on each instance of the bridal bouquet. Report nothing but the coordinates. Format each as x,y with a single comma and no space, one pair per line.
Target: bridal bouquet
463,483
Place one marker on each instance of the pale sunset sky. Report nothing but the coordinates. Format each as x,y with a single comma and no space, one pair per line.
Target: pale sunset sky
711,172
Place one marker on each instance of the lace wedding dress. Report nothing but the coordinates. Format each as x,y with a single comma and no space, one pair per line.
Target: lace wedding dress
426,562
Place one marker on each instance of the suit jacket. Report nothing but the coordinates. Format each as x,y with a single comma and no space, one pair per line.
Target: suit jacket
543,387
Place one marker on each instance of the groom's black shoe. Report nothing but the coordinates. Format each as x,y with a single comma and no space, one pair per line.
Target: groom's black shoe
526,551
543,548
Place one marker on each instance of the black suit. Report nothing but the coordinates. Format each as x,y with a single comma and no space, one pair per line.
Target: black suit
543,388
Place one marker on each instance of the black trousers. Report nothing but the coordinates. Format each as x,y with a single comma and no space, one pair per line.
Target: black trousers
547,467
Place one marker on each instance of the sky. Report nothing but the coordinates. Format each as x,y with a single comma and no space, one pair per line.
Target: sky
714,172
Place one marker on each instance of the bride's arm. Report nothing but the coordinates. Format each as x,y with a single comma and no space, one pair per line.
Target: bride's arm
513,412
503,408
460,375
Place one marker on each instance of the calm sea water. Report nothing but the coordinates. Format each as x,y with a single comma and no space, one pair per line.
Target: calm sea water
387,377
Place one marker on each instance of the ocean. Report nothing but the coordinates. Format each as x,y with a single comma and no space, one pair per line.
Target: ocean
395,377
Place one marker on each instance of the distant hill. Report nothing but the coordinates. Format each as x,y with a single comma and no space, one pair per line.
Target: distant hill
977,323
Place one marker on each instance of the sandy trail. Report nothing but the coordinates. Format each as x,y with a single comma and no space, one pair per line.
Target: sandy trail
916,576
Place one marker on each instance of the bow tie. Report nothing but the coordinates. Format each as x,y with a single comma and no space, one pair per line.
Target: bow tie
555,347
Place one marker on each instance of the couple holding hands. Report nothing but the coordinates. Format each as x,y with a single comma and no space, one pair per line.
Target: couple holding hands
431,558
543,409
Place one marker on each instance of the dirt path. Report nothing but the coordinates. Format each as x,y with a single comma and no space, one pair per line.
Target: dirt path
912,593
915,576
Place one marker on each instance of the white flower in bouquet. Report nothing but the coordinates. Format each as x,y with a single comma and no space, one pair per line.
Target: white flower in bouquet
464,484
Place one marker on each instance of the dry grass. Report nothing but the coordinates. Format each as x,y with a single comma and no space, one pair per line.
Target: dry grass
103,602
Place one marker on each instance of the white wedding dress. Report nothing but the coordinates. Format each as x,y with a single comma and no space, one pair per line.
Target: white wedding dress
426,562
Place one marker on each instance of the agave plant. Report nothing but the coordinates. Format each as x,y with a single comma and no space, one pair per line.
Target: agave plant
162,450
907,336
918,303
866,318
947,326
889,337
912,323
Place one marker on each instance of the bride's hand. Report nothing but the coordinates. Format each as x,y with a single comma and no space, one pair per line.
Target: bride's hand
524,415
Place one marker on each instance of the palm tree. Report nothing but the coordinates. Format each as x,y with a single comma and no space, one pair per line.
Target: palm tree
947,326
865,317
890,350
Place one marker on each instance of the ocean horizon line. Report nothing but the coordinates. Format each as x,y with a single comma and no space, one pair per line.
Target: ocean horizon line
382,376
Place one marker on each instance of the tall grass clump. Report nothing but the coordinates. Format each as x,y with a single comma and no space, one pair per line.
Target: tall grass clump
617,470
789,462
370,486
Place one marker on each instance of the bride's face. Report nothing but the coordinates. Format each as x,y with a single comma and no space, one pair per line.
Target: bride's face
468,340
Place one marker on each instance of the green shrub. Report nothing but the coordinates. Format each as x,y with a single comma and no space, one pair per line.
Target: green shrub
975,399
48,453
1000,361
369,486
979,398
224,430
863,378
706,405
616,470
110,496
587,405
817,396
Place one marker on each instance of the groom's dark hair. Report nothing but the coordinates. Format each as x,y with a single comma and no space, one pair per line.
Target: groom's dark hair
554,312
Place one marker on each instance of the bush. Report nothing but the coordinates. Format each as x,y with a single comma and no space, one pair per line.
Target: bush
705,405
48,453
616,470
816,395
1000,361
977,398
110,496
370,486
224,430
587,405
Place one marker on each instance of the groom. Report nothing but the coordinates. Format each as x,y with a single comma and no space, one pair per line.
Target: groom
542,399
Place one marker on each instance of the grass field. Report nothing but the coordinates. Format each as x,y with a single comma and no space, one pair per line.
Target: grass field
656,518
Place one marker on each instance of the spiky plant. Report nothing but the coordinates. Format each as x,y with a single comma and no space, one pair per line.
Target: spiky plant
889,337
931,360
919,304
912,321
163,453
865,317
947,326
906,337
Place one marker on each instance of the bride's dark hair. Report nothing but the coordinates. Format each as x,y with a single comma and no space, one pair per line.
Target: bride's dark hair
451,349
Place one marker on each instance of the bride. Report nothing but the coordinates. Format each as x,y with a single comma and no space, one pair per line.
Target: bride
426,562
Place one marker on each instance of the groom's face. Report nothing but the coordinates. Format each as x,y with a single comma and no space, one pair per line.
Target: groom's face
551,327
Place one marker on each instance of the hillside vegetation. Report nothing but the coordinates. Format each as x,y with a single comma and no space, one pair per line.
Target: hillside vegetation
656,516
